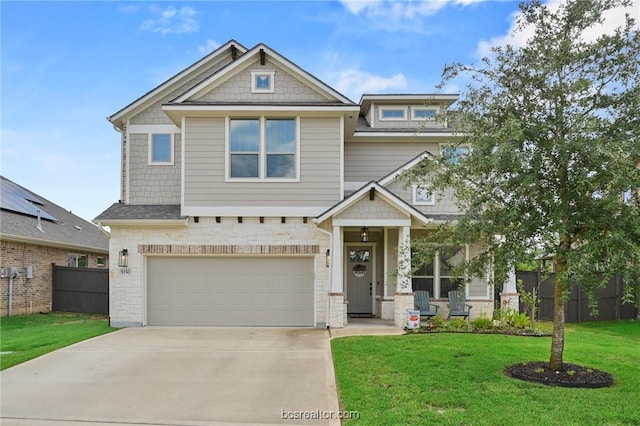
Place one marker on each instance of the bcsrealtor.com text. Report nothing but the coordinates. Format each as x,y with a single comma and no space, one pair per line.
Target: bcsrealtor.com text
318,415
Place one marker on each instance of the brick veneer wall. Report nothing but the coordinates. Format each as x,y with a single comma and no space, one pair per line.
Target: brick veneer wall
33,295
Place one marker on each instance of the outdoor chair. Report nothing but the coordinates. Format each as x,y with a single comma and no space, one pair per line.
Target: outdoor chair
457,305
421,302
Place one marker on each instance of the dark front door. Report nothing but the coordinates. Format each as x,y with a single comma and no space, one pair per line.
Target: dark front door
359,264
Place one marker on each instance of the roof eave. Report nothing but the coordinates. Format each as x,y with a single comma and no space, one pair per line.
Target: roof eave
117,118
183,222
55,244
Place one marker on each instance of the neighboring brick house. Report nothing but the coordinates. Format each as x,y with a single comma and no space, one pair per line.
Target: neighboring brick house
252,193
34,234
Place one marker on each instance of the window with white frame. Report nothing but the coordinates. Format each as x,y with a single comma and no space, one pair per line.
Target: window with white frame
422,196
77,260
437,275
263,148
419,113
160,148
393,113
262,81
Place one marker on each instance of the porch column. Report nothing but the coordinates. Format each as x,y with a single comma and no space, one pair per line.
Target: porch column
509,298
403,300
337,308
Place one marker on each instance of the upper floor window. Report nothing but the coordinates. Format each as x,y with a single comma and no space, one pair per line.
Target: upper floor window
453,153
422,196
263,148
423,113
160,148
393,113
262,81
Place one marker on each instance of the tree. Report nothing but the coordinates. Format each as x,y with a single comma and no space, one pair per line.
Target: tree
552,134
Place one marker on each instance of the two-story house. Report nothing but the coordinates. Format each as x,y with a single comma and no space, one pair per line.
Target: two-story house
252,193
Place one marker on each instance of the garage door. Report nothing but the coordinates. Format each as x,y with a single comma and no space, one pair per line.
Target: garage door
239,291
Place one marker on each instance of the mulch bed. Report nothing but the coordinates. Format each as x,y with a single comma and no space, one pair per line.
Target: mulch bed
572,376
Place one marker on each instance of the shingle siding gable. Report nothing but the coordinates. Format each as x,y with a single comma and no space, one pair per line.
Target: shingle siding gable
286,88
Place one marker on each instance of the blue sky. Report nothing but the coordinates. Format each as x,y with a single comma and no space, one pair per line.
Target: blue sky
66,66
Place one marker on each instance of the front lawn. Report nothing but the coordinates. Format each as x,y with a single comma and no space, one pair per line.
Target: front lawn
25,337
457,379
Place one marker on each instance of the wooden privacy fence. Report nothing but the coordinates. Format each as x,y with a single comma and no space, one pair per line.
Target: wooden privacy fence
80,290
610,306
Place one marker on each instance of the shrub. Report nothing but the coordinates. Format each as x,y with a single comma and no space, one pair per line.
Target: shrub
458,324
437,322
512,318
482,323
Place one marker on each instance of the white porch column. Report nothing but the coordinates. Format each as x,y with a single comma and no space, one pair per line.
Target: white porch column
337,308
509,298
336,260
403,300
403,284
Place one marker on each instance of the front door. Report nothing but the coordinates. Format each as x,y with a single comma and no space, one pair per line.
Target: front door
359,271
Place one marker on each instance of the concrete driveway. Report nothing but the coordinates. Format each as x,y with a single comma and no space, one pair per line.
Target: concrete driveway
177,376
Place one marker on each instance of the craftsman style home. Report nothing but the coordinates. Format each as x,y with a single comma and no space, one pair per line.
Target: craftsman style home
252,193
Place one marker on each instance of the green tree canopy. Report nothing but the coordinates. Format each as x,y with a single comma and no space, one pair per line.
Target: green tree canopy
554,155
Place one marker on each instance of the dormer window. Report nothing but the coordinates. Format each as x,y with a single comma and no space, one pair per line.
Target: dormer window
418,113
262,81
393,113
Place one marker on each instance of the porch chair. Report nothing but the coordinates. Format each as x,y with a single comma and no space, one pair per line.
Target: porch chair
457,305
421,302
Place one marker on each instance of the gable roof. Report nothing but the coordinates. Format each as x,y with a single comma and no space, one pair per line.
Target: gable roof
388,196
385,180
163,89
250,56
58,228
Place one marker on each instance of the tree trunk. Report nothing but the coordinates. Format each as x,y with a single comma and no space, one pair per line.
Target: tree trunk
557,341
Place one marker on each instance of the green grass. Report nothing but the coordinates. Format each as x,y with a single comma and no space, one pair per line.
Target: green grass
457,379
29,336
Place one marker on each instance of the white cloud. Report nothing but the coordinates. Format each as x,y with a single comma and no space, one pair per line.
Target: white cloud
172,20
612,19
209,46
400,9
353,82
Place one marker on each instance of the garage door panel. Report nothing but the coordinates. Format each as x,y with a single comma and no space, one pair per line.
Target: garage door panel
230,291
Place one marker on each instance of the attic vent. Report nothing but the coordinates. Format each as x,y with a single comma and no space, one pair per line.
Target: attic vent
77,227
263,57
234,52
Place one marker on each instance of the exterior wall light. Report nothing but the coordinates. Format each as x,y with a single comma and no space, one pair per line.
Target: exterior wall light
327,258
123,258
364,234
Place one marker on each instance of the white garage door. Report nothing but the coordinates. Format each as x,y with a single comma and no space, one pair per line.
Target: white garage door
239,291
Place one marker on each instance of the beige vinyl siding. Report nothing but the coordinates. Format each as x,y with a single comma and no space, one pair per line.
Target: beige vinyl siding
364,162
205,184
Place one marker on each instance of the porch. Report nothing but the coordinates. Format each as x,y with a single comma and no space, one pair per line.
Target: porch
371,261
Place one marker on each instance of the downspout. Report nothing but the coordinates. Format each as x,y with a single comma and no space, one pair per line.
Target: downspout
330,234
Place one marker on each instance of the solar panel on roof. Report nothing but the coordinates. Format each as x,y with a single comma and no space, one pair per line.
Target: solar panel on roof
15,198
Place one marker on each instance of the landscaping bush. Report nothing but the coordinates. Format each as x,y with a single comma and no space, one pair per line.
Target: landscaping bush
482,323
437,323
458,324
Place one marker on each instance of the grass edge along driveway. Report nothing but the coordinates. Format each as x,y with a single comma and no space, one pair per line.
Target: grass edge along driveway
458,379
24,337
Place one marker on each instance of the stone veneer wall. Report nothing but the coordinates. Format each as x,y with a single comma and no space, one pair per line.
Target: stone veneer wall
208,238
33,295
